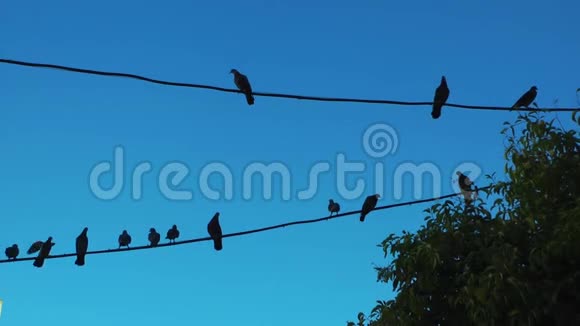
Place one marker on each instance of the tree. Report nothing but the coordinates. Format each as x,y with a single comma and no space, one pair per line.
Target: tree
511,257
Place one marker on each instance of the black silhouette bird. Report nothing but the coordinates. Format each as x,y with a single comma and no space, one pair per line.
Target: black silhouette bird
441,96
243,85
154,237
44,252
34,247
215,231
172,234
82,245
124,239
12,252
526,99
369,204
333,207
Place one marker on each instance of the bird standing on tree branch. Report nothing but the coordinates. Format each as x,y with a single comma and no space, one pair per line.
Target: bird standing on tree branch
243,85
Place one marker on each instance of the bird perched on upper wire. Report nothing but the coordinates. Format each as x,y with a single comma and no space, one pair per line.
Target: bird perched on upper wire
172,234
82,245
333,207
465,185
154,237
35,247
243,84
441,96
124,239
369,204
12,252
43,253
527,99
215,231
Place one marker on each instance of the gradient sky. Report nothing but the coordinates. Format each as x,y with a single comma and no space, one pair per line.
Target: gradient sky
57,125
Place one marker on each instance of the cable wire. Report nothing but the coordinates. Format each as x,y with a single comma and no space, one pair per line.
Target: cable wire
278,95
241,233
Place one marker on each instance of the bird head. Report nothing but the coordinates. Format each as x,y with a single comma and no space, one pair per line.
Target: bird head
152,230
124,232
234,71
85,230
378,196
174,227
534,88
14,246
49,239
331,201
458,173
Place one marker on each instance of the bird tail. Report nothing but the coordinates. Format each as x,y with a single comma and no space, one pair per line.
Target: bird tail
436,112
249,98
217,244
362,217
38,262
80,261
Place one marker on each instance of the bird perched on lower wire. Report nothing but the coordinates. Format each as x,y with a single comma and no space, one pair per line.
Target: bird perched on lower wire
82,245
43,253
35,247
465,185
154,237
215,231
333,207
527,99
441,96
172,234
369,204
12,252
243,84
124,239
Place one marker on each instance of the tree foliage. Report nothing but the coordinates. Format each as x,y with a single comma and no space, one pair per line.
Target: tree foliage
512,257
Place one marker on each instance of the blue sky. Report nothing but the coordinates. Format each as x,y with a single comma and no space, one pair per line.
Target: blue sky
57,125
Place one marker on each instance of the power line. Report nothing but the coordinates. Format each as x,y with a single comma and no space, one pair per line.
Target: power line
241,233
278,95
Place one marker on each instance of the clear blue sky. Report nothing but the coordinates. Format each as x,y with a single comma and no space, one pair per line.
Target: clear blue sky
56,126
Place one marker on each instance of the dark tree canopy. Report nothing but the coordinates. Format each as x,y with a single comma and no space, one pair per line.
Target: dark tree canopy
512,257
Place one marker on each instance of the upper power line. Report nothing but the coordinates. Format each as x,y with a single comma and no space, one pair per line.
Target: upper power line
277,95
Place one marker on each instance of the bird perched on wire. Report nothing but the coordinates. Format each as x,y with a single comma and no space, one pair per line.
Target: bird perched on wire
154,237
12,252
369,204
43,253
35,247
243,84
215,231
333,207
172,234
441,96
465,185
527,99
82,245
124,239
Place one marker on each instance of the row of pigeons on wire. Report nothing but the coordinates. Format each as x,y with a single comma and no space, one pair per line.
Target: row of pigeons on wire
441,94
468,189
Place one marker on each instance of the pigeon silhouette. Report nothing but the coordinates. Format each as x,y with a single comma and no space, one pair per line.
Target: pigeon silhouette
441,96
465,185
43,253
243,84
124,239
215,231
369,204
333,207
12,252
82,245
35,247
527,99
172,234
154,237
